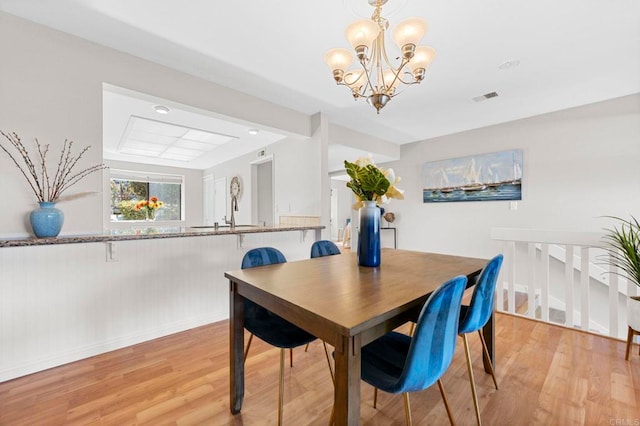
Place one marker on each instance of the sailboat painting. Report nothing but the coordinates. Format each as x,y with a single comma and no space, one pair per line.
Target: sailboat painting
486,177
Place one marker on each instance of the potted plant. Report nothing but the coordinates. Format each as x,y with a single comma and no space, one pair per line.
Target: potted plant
622,243
46,185
372,187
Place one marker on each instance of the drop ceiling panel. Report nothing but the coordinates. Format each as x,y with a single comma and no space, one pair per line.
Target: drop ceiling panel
199,146
156,138
152,138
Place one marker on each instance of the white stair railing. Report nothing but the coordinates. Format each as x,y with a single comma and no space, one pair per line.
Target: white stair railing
590,298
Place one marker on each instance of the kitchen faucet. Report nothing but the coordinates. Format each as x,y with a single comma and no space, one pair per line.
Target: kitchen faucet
234,207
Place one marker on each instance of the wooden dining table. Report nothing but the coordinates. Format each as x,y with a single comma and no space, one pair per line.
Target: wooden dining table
345,305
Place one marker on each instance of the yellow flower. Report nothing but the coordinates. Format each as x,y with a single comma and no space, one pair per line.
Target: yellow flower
358,204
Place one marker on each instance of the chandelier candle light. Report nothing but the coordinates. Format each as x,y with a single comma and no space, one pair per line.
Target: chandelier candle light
377,79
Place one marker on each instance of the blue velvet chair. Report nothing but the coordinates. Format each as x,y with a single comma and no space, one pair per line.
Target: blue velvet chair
398,363
265,324
475,316
324,248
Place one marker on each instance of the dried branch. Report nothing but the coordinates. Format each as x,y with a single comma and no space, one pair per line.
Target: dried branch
38,178
76,196
17,144
43,165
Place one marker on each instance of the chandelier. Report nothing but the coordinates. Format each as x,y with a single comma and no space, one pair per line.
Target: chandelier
377,79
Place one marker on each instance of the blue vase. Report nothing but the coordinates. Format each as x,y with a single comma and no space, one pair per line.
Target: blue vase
369,235
47,220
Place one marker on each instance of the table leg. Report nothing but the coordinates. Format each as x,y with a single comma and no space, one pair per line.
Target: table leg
347,384
236,349
488,331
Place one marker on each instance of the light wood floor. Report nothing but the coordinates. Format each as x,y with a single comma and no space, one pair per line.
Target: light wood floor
547,375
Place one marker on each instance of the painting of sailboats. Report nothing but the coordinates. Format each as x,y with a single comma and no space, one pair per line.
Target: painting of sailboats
486,177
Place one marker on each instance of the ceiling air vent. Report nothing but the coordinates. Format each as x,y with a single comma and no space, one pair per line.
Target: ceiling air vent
485,96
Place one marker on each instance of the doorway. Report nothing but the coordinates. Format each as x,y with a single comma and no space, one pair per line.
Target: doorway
262,180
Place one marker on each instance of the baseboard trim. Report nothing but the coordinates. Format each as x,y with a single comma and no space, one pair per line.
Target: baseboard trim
55,360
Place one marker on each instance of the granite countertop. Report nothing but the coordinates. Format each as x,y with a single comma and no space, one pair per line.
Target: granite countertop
149,232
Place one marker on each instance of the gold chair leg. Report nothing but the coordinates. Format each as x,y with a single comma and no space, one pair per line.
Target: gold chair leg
375,397
246,351
281,391
486,354
412,329
291,357
629,340
326,354
407,408
472,382
446,403
306,348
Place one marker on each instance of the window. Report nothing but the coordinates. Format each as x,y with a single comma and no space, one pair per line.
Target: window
130,189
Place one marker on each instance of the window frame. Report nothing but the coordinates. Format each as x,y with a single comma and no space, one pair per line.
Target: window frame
148,177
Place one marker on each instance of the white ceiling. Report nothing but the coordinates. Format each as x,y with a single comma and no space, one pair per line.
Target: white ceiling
122,107
570,53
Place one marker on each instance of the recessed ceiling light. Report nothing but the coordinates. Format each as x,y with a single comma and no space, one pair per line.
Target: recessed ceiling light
161,109
511,63
253,131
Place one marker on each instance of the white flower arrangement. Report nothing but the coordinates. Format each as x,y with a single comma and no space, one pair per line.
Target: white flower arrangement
372,183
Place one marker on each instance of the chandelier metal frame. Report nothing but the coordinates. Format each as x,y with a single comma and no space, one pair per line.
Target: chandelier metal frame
378,79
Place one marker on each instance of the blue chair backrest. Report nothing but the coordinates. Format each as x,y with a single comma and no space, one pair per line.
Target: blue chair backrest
324,248
434,338
262,256
481,307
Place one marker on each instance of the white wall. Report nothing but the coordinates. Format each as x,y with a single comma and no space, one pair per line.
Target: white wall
345,201
297,184
240,167
579,164
192,192
347,137
296,178
52,90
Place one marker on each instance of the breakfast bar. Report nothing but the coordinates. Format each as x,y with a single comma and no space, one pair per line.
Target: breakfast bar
72,297
151,232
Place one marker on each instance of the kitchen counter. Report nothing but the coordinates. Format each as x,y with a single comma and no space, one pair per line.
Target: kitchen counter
151,232
72,297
